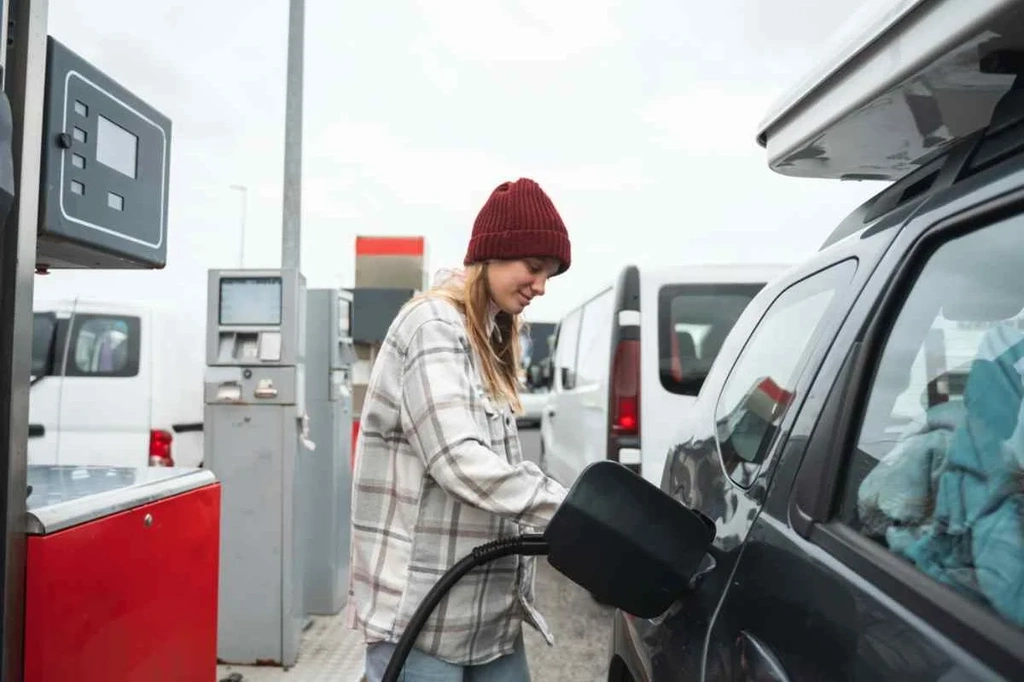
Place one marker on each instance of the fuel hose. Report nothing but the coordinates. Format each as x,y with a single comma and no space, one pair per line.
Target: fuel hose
530,544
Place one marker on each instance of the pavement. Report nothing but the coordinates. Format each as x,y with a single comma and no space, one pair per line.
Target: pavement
582,628
329,652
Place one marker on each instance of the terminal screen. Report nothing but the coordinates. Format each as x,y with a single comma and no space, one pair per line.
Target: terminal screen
250,301
116,147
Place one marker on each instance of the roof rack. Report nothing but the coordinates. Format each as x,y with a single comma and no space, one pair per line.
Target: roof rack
1002,138
922,79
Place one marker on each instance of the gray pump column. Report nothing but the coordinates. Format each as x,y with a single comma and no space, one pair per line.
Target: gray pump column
327,477
253,440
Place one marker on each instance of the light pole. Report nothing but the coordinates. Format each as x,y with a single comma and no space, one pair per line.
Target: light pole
291,228
244,192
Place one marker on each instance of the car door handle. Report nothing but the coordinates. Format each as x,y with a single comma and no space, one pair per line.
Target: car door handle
36,430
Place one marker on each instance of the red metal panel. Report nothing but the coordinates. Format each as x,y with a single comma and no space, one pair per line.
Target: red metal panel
389,246
117,599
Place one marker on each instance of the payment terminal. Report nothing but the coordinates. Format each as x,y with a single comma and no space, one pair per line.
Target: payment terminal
255,435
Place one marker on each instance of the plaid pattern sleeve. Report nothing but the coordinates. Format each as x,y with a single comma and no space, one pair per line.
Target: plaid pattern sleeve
438,405
438,471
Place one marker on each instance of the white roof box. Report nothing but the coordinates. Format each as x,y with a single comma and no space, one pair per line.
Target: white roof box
925,73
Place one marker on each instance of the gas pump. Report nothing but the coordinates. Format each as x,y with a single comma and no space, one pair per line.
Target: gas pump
84,183
327,477
254,436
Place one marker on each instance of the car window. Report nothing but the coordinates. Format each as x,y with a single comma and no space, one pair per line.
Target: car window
537,342
565,349
44,327
936,474
593,360
762,383
104,346
693,321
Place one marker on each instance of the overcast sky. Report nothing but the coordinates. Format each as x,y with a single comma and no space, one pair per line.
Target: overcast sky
638,118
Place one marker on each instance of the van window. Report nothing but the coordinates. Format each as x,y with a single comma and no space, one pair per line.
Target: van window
693,321
762,383
44,333
565,348
935,475
593,360
103,345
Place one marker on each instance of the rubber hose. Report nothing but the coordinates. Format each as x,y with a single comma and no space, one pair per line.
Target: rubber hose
524,545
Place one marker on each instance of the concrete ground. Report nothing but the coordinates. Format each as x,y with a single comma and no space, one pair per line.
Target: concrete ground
582,627
582,631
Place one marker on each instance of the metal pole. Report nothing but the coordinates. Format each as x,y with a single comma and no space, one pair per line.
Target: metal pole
291,224
24,81
244,191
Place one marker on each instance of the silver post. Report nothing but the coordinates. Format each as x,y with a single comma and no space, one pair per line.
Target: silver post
244,191
25,80
291,224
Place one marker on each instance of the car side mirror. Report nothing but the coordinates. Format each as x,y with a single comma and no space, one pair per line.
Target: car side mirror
626,541
746,431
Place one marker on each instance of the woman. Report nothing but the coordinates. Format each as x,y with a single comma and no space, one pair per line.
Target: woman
439,468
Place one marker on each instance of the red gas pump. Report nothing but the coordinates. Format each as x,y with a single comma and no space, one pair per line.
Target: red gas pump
121,574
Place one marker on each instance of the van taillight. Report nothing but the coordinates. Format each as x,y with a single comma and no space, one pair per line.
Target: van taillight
160,448
626,388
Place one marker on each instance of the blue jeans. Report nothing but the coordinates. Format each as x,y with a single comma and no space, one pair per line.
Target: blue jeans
419,667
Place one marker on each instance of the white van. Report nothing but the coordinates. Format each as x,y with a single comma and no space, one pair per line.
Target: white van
115,385
630,361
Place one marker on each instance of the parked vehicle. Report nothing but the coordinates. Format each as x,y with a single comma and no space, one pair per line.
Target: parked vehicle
630,361
115,384
858,442
534,393
534,400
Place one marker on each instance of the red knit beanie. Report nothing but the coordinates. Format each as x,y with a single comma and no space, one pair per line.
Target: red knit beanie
519,221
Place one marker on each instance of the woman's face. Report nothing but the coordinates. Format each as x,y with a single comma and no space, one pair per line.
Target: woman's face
514,283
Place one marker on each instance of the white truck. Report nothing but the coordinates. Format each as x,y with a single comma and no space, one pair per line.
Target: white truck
115,384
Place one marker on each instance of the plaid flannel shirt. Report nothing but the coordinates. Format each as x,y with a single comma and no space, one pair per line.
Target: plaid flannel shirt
439,471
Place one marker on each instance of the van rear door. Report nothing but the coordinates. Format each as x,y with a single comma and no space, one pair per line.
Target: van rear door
693,319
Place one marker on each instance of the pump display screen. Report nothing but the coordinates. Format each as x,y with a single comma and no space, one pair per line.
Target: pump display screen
250,301
116,147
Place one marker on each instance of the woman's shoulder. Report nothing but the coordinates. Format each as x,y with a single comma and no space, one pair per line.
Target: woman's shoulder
425,309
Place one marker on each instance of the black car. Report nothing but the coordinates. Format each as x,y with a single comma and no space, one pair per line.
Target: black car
858,442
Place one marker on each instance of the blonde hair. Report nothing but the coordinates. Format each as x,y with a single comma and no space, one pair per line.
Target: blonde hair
499,354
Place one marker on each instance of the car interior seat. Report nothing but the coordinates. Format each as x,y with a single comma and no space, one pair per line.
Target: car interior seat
684,355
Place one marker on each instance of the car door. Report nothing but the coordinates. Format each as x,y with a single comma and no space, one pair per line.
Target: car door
44,388
722,466
890,547
105,400
587,411
557,433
